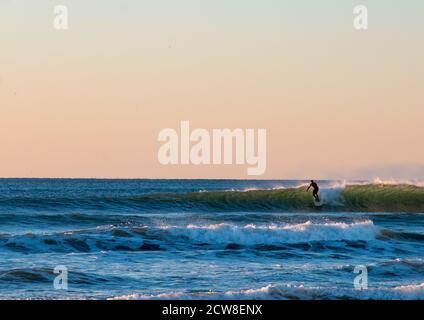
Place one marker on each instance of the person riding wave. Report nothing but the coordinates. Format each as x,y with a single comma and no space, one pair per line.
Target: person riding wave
315,188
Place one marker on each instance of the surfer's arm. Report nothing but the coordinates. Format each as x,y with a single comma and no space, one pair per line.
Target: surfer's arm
308,188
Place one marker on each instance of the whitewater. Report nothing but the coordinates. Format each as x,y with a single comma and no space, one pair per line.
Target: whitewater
210,239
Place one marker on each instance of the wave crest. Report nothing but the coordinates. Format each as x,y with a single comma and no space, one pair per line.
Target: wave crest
275,234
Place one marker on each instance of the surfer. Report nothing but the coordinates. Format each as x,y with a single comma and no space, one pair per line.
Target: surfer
315,188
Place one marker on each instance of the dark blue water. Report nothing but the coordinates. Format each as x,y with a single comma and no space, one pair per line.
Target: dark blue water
208,239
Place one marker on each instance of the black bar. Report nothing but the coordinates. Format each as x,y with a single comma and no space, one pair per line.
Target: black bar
212,309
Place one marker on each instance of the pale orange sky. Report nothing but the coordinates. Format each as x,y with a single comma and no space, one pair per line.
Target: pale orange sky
90,101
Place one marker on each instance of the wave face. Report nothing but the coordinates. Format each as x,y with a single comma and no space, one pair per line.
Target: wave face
354,198
350,198
210,239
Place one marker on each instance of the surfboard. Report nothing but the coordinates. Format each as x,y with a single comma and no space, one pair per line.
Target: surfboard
318,203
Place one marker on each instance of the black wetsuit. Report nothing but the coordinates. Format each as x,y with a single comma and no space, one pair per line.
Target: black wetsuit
316,189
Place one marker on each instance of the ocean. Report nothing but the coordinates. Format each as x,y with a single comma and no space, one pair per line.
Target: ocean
210,239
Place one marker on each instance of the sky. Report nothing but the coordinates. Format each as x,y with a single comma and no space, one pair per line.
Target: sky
90,101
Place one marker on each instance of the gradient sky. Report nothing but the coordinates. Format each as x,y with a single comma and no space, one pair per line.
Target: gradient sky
90,101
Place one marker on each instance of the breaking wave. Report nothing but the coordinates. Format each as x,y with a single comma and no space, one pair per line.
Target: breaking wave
185,237
252,234
376,197
288,292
